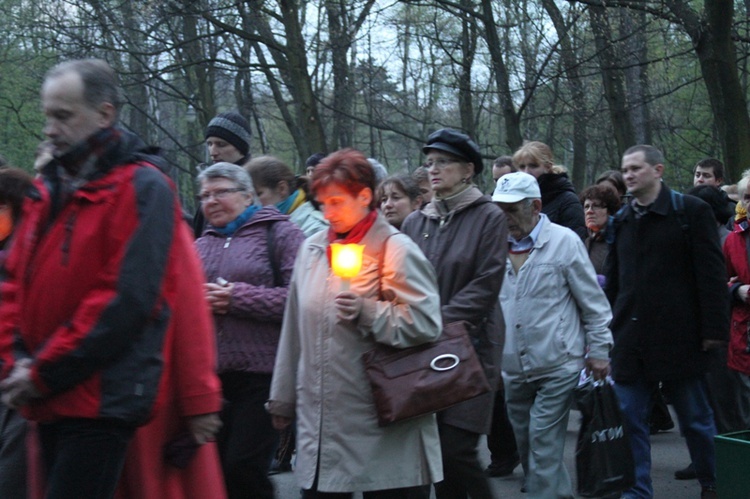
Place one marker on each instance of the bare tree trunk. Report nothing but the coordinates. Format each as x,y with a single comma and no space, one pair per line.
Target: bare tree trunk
513,136
712,39
340,43
468,51
636,72
138,93
243,84
571,64
613,79
301,116
197,69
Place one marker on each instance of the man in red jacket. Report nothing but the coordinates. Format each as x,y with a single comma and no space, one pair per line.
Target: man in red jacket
87,305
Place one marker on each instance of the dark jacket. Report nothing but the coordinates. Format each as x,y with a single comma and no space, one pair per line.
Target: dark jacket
92,285
468,245
597,249
667,287
248,335
560,202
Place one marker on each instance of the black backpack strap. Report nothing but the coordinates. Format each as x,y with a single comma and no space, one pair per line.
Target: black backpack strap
614,222
678,205
271,243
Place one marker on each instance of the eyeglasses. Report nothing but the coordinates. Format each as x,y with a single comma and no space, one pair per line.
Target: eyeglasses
528,166
440,163
593,206
205,197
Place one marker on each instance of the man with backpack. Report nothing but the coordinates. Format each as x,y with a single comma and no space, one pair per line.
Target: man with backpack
667,286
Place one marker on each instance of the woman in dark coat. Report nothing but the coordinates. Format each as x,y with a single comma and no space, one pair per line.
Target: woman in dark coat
465,236
599,203
559,200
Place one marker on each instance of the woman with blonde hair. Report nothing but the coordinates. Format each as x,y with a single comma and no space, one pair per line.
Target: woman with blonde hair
559,200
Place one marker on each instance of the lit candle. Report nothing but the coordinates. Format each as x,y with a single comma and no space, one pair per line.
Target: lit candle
346,261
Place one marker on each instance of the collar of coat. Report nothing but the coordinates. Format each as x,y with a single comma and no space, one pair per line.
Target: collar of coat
440,208
543,235
661,205
374,240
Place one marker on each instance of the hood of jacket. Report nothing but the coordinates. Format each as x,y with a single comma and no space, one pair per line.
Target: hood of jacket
554,184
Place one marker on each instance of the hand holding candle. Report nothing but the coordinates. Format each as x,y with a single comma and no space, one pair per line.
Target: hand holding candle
346,262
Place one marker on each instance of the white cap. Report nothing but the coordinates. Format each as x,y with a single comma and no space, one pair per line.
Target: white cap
516,186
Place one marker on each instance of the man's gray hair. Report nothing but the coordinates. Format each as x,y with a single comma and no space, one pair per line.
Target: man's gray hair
99,81
231,172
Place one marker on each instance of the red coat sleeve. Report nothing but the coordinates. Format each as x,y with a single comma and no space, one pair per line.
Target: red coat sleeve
193,347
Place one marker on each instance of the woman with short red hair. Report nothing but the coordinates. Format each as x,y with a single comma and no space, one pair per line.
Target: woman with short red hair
319,377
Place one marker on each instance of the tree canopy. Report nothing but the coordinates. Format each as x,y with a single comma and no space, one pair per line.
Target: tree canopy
588,77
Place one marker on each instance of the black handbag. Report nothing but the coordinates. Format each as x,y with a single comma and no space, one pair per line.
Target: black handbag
604,460
414,381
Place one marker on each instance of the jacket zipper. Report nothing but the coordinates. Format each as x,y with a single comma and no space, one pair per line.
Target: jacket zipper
220,321
69,224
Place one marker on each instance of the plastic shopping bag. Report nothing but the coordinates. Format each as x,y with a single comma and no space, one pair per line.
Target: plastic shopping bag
604,460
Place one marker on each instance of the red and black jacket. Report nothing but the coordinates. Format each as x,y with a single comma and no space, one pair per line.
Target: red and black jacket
89,289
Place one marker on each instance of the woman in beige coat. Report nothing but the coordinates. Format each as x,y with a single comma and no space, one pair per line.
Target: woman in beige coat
319,376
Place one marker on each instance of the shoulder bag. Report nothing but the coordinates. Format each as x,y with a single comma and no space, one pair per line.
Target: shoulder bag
415,381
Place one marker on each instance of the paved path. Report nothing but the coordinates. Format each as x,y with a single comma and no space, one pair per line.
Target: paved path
668,452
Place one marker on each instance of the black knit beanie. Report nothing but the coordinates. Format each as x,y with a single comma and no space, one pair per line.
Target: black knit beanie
233,128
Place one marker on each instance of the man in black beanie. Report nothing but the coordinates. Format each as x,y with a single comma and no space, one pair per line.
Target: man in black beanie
228,139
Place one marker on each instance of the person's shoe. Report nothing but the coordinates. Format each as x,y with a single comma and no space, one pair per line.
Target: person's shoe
500,469
279,467
655,428
709,493
687,473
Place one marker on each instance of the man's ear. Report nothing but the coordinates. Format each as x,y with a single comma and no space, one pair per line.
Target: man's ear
659,169
107,114
536,206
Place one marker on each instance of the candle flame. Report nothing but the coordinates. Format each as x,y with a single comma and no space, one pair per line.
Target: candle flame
346,259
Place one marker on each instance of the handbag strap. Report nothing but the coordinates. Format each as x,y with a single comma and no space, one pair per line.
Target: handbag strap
381,262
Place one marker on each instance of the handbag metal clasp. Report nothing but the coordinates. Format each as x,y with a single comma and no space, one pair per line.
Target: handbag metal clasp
434,364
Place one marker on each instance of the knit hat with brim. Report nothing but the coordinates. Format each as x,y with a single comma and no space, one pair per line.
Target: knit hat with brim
233,128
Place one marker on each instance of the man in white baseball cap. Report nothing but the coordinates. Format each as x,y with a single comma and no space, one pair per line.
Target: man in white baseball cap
554,311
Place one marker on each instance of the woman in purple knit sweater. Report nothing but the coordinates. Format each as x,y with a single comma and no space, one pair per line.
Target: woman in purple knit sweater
248,252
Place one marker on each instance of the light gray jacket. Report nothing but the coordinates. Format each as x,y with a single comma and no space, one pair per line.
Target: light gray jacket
553,307
308,219
320,378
